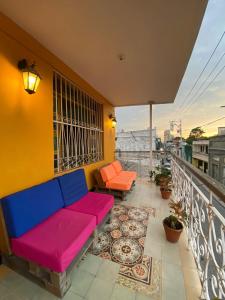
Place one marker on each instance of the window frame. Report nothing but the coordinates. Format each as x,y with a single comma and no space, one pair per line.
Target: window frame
78,126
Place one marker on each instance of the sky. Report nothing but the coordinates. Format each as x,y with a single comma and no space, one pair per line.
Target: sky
202,105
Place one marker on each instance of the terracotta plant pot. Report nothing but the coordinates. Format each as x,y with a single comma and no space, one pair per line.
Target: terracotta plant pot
172,235
165,193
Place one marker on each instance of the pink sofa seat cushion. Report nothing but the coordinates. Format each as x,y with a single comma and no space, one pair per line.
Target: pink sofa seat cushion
95,204
132,175
55,243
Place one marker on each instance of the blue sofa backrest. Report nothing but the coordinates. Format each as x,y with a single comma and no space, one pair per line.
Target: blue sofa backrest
73,186
28,208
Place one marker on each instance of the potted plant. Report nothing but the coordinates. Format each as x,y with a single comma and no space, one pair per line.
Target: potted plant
161,173
166,187
174,224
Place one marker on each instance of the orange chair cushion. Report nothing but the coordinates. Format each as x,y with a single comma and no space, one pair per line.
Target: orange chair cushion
117,166
107,173
120,183
129,174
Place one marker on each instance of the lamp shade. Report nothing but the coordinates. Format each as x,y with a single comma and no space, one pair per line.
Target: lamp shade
31,80
113,122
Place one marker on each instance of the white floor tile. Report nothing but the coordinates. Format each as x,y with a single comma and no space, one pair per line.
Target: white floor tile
91,264
81,282
100,290
120,292
172,273
108,271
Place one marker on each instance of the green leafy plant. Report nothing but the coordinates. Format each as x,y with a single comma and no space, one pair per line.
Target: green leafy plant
161,173
165,183
178,218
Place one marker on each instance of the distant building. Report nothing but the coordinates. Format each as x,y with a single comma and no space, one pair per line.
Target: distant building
221,130
178,146
217,156
200,155
187,152
168,137
137,140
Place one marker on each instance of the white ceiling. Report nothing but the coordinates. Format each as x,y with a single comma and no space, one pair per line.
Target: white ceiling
155,36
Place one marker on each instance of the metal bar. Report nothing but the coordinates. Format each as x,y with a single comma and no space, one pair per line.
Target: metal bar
150,137
67,127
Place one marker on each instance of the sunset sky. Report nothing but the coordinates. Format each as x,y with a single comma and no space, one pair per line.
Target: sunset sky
194,110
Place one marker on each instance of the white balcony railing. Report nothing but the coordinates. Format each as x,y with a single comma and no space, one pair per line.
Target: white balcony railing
206,226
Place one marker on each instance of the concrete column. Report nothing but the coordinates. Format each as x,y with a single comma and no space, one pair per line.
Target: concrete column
150,135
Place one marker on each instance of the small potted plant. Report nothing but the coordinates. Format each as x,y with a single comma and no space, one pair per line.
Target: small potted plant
174,224
166,187
161,173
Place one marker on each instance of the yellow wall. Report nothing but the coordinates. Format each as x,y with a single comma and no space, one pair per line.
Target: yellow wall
195,162
26,121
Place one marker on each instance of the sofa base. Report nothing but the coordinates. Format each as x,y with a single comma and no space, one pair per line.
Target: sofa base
56,283
117,193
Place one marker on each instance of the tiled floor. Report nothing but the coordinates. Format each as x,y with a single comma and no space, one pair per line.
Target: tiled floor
95,279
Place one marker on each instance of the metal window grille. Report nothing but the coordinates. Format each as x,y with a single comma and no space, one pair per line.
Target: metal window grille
78,126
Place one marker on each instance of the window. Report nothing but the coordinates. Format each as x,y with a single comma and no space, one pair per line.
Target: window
78,126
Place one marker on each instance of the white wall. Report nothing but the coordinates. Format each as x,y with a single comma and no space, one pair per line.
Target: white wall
135,140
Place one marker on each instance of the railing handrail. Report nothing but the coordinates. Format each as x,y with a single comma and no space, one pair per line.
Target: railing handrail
203,196
216,187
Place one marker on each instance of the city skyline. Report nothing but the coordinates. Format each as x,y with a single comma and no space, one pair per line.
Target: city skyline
200,96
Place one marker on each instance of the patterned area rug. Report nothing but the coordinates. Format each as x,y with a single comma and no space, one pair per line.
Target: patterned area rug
122,241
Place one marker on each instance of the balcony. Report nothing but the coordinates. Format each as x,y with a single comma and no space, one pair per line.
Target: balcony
191,268
201,156
111,46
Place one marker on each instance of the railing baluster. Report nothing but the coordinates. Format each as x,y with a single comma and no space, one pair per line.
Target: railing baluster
205,230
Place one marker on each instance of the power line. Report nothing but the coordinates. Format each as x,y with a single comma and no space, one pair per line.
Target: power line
203,91
209,123
200,75
206,124
203,83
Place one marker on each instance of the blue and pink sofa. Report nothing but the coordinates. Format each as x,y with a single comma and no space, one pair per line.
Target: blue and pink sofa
50,226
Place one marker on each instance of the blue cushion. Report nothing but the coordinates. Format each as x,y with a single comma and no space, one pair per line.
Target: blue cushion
73,186
28,208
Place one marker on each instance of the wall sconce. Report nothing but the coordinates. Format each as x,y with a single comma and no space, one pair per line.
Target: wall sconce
31,77
113,120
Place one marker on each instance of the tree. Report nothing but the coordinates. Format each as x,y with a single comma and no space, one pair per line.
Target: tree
195,134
